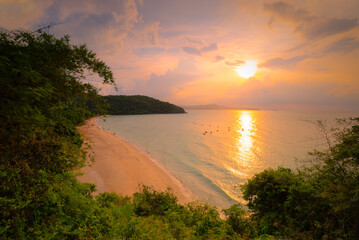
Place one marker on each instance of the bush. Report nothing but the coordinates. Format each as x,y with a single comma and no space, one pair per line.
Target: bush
237,219
150,202
320,200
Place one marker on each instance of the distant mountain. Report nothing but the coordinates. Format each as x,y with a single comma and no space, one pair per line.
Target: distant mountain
127,105
216,107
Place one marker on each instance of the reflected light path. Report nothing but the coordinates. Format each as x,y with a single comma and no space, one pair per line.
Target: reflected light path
245,131
243,153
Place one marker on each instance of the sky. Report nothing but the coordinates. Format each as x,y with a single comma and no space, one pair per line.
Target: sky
305,53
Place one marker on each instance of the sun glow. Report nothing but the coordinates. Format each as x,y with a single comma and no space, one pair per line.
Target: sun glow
248,69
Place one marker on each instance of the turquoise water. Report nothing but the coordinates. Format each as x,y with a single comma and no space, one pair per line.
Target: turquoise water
213,152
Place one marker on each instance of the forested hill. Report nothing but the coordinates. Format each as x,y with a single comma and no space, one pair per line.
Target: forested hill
123,105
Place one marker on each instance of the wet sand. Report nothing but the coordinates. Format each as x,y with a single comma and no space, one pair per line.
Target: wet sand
120,167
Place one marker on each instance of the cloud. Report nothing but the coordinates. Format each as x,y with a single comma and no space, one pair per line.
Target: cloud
21,14
308,25
193,41
219,58
149,51
198,52
165,86
104,25
287,12
209,48
283,63
123,68
191,50
327,27
151,33
235,63
344,45
187,12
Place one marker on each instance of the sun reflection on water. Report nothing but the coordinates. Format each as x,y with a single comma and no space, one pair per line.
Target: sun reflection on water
245,131
243,154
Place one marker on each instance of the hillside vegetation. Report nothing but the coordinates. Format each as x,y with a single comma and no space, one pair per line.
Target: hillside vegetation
125,105
43,98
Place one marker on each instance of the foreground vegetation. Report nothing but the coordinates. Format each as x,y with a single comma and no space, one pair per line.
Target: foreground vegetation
121,105
43,98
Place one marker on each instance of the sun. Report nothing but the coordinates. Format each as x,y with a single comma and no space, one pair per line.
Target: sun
248,69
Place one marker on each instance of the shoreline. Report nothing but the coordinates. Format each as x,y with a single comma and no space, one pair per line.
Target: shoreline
121,167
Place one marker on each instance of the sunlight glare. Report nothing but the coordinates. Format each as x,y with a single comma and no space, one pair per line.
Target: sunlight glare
245,140
244,154
248,69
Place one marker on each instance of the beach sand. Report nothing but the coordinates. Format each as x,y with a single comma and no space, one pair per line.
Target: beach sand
120,167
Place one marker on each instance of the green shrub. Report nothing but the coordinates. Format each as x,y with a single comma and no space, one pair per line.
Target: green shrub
320,200
150,202
237,219
203,218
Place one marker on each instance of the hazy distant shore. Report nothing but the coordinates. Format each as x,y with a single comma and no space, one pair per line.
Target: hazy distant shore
120,167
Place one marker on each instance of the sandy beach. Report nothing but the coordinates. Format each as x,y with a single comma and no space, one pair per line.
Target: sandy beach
120,167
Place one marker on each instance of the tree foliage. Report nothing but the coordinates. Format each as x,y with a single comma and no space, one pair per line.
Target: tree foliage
42,99
320,200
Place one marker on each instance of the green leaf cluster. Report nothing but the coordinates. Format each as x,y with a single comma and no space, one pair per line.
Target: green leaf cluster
43,96
321,200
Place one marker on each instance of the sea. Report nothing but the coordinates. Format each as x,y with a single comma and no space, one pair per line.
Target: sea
214,152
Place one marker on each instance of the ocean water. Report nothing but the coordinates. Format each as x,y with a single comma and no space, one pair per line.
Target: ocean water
213,152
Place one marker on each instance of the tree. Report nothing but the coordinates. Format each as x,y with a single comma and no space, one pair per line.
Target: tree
335,173
42,98
320,200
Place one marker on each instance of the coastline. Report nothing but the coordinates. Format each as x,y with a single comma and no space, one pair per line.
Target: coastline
122,168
